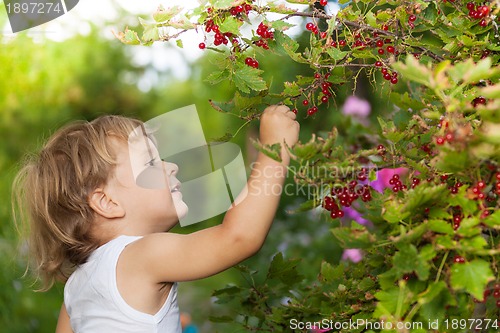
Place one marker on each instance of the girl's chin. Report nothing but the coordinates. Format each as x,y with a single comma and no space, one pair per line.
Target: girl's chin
181,208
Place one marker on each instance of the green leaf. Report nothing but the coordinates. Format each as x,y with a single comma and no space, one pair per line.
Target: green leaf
217,76
422,195
336,54
392,302
307,150
182,22
407,260
329,273
354,238
272,151
414,71
291,89
371,19
473,276
434,300
288,46
231,24
440,226
366,284
406,102
179,43
163,15
129,37
280,25
284,270
452,161
493,220
222,4
247,78
244,103
150,33
392,212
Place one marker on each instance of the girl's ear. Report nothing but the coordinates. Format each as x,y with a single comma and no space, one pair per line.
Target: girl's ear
104,205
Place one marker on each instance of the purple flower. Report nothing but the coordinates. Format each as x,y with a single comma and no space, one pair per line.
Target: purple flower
353,255
357,108
353,214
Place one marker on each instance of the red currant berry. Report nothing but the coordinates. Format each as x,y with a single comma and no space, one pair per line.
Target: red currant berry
481,185
333,44
484,9
459,259
390,49
342,42
470,6
387,76
202,46
412,18
248,61
323,2
440,140
380,51
324,99
385,27
317,75
496,294
305,102
483,23
295,111
378,63
379,43
394,80
310,26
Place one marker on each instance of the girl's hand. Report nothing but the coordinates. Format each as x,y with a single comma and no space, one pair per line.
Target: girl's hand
278,125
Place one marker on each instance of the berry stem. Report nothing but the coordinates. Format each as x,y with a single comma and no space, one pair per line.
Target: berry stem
438,275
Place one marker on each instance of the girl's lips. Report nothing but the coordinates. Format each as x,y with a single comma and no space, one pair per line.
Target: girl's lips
175,188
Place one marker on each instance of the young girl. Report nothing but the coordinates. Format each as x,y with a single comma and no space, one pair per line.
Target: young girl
90,221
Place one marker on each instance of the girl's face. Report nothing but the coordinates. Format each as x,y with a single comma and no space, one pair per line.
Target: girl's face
149,189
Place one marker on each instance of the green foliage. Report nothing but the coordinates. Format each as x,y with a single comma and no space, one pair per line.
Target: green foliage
431,248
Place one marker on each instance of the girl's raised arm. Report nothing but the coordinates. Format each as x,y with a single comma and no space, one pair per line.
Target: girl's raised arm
169,257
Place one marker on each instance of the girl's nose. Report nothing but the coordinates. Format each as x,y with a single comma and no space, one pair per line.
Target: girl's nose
171,168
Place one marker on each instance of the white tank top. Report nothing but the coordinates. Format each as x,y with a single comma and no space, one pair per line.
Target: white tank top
95,305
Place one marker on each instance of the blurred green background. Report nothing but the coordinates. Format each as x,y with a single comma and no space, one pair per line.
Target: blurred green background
45,84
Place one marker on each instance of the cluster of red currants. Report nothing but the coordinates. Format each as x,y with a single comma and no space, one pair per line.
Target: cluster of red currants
458,259
457,219
252,62
312,28
494,292
396,184
346,195
478,100
223,38
478,13
219,37
240,9
265,35
321,81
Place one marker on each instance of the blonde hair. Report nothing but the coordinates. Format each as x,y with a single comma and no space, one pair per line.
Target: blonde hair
51,194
